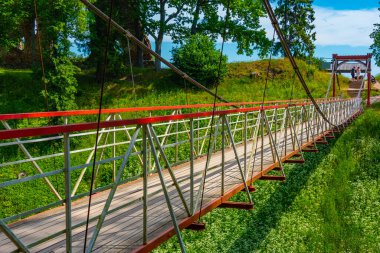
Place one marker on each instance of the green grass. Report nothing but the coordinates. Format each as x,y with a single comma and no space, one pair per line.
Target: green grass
22,92
329,204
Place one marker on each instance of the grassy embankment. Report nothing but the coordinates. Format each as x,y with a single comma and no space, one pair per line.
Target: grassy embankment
22,93
329,204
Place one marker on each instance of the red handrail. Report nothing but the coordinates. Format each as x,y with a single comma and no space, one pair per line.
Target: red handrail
59,129
50,130
124,110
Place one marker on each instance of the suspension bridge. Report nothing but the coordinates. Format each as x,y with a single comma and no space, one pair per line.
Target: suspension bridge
155,191
158,169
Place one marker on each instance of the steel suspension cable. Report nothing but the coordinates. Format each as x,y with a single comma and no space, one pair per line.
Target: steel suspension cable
41,56
186,91
131,69
288,53
103,80
268,68
130,36
214,104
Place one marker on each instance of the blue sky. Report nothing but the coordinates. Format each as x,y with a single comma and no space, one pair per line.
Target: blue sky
343,27
347,4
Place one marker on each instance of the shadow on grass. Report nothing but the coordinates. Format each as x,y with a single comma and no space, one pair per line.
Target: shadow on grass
268,214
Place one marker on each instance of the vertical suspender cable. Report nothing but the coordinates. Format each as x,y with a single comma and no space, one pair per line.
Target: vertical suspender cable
131,69
98,122
41,56
268,68
214,105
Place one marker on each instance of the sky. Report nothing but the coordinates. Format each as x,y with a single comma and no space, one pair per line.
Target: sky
344,26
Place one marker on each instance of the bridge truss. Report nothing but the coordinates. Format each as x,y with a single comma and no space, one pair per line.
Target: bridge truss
153,176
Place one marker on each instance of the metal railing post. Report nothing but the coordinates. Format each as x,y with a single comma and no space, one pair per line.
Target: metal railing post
192,166
245,144
145,183
66,150
223,154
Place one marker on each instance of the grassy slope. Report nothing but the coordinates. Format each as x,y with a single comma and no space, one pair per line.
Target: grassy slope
165,88
329,204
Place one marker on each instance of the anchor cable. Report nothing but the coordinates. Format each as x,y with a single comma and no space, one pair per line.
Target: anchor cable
103,79
288,53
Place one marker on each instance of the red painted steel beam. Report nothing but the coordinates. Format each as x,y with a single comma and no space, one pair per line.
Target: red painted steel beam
273,178
334,88
59,129
125,110
352,57
197,226
236,205
250,189
310,150
369,88
294,161
51,130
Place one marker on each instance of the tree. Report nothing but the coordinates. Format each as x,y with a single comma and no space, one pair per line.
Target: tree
165,17
17,37
243,26
296,19
375,35
199,58
57,22
129,14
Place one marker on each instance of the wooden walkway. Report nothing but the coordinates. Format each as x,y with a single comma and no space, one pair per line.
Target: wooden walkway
123,228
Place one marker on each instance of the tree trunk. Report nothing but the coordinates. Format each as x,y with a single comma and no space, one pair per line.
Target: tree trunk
158,50
197,11
31,50
160,36
139,52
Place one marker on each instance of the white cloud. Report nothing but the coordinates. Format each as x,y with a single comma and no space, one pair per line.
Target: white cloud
339,27
344,27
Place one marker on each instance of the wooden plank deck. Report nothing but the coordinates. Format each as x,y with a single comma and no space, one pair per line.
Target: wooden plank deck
122,229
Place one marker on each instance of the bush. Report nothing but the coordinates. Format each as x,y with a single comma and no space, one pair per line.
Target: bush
62,84
200,60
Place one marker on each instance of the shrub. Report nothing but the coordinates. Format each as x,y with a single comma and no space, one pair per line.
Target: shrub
62,84
200,60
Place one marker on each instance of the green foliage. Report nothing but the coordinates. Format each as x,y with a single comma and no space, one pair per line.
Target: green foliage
296,19
329,204
199,59
243,24
62,84
375,35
